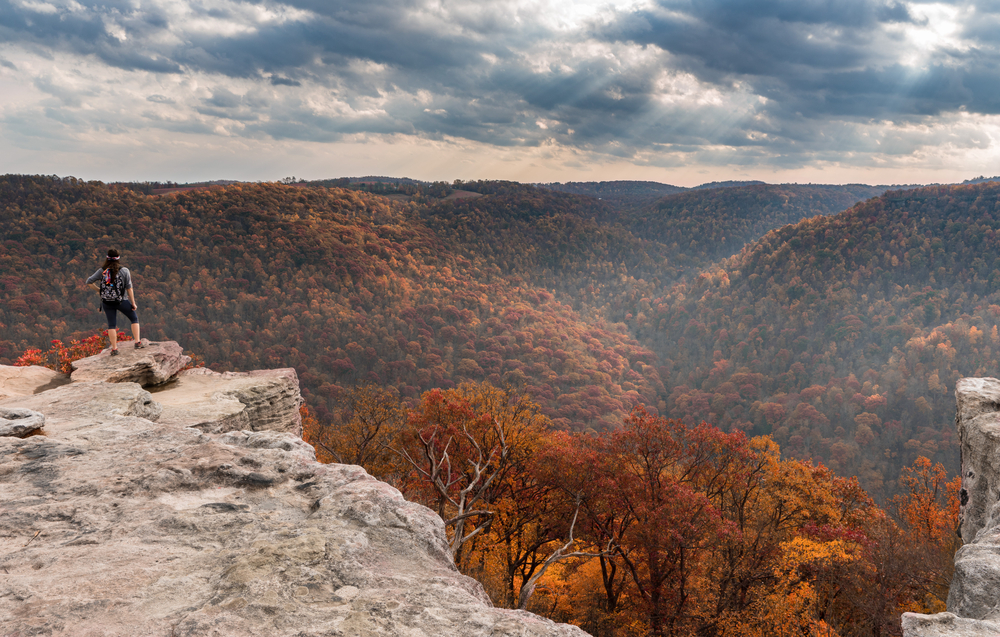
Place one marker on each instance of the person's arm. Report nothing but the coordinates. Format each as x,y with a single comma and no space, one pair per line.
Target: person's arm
93,279
131,297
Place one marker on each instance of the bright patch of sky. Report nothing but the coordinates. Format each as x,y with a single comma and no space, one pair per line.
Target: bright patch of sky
682,92
936,26
571,15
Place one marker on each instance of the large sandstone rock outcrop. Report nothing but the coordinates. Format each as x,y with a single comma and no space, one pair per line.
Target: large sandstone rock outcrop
88,403
113,524
974,597
231,401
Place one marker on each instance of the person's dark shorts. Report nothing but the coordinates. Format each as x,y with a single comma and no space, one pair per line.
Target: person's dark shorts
112,309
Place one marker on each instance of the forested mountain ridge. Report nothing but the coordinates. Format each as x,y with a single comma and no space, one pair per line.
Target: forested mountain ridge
842,336
622,194
561,242
593,254
630,196
704,226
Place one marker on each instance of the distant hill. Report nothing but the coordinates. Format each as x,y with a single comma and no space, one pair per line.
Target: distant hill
980,179
702,226
566,242
611,188
622,194
166,187
727,184
400,188
632,195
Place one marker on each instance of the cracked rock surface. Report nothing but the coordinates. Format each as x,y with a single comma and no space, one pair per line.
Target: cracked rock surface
114,524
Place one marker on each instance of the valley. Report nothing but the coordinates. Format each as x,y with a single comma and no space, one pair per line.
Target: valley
784,354
754,307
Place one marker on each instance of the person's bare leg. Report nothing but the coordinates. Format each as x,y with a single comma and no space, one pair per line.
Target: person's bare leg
113,335
135,332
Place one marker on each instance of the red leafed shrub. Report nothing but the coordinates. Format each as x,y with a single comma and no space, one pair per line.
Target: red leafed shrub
59,355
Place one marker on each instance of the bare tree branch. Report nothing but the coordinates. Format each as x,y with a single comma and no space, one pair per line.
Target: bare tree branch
484,468
528,588
470,514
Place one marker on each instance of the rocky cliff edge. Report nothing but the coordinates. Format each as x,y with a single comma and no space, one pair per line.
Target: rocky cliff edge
974,596
137,499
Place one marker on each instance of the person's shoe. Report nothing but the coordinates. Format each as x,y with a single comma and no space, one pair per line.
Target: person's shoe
114,352
139,345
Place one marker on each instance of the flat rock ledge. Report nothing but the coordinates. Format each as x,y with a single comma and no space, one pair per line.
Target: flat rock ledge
115,525
947,625
87,404
974,596
24,381
155,364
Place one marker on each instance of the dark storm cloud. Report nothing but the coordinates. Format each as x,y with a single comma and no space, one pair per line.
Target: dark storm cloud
793,77
715,40
820,59
82,32
372,31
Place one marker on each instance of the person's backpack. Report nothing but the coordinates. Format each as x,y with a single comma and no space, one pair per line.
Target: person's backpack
112,291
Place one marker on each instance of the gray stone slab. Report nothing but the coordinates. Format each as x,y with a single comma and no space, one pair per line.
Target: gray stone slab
19,422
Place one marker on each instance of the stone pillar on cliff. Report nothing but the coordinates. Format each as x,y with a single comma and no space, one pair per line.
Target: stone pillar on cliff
974,597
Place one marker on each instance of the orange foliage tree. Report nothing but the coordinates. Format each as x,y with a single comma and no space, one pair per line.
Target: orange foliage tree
660,474
688,530
928,513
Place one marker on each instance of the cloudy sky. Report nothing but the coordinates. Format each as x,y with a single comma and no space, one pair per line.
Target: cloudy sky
677,91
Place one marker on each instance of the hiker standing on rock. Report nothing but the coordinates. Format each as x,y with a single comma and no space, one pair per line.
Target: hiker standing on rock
115,284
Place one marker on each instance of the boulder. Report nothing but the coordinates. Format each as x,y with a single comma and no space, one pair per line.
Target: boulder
24,381
114,525
19,422
233,401
974,596
155,364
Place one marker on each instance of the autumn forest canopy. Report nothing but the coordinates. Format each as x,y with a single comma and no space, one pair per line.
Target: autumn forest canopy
805,337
